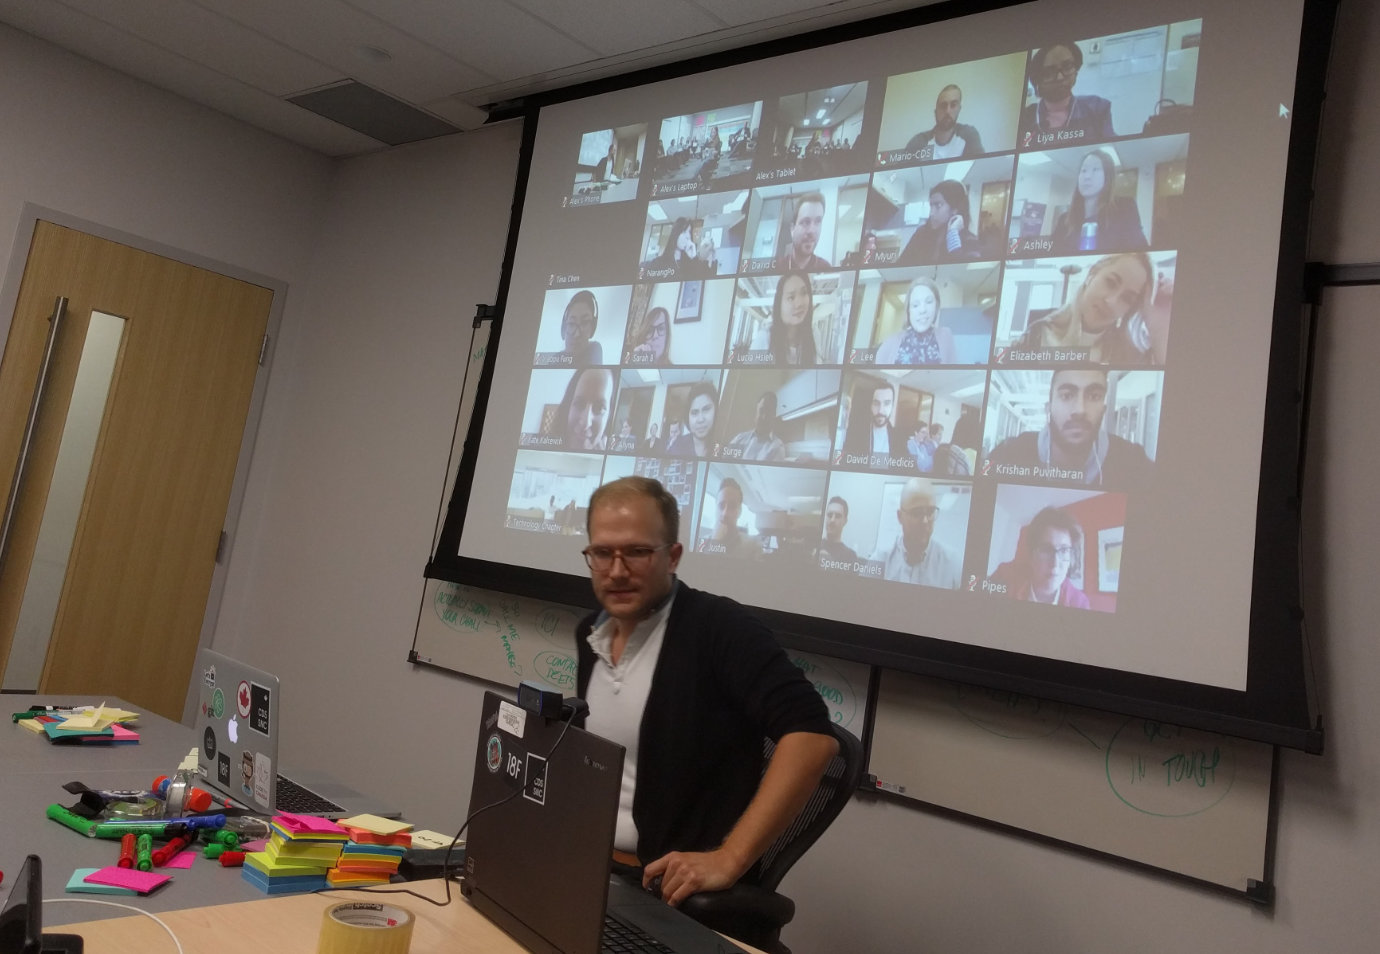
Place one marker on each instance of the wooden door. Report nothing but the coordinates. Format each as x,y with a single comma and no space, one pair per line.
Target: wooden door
135,590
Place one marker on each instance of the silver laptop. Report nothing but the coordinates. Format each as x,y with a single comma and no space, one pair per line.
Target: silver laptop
537,861
237,719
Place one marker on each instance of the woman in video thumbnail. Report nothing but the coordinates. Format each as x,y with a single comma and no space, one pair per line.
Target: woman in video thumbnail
791,337
1053,71
1097,220
701,407
945,237
652,339
1107,315
584,410
923,340
1051,546
578,324
680,252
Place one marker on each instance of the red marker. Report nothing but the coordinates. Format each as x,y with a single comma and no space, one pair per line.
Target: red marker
127,850
232,859
169,851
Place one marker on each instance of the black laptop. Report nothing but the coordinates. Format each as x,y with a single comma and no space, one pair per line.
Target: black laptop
538,865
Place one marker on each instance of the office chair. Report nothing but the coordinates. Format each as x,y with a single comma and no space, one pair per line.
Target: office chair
755,913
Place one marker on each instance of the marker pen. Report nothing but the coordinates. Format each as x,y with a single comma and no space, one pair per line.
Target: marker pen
127,844
144,851
72,820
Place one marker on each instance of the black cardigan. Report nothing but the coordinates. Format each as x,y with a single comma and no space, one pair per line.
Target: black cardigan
722,685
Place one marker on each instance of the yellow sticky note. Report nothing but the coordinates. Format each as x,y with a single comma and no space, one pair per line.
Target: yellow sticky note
33,725
434,839
375,824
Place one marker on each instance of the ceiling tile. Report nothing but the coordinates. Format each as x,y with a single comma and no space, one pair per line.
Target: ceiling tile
621,26
208,38
481,34
336,33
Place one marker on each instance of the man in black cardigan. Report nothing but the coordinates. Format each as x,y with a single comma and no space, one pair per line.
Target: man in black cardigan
690,684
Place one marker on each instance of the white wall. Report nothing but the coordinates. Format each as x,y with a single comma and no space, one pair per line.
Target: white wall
325,577
83,140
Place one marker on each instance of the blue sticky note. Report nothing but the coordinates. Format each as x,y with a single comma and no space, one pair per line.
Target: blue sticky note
78,884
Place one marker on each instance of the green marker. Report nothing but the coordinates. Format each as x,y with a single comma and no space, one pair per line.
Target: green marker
212,851
120,829
143,852
72,820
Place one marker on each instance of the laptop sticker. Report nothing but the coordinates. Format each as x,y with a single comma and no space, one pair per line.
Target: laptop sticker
259,702
263,777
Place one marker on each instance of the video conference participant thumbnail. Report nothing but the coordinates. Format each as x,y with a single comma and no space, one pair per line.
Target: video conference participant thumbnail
571,333
813,135
678,323
895,421
569,410
683,479
925,316
760,511
1075,88
1116,197
796,319
693,236
694,150
550,491
961,111
1112,309
940,213
668,413
779,415
609,165
905,530
1086,426
804,226
1058,547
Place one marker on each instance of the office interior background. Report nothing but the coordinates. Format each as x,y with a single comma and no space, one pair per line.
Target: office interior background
385,255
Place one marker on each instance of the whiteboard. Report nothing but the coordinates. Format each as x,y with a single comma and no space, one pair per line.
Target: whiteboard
1191,802
506,639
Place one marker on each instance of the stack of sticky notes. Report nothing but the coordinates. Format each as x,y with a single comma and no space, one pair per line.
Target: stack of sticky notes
90,724
300,850
373,853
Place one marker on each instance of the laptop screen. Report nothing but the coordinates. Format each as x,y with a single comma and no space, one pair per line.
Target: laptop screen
538,863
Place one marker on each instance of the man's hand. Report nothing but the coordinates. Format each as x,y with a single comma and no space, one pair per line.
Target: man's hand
684,873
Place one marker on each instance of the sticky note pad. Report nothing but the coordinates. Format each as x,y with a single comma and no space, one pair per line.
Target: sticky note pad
77,884
433,839
308,824
142,882
375,824
183,859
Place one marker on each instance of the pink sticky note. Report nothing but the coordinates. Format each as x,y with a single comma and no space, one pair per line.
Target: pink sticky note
308,823
124,735
259,844
141,881
183,859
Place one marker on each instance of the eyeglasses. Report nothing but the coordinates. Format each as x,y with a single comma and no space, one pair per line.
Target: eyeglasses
1047,552
921,513
1065,70
634,558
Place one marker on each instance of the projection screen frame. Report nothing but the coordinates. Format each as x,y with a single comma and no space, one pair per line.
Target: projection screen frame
1278,706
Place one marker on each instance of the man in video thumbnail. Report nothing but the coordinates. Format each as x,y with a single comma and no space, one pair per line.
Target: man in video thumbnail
949,139
1059,114
700,683
805,229
832,546
922,445
728,538
761,442
878,434
1051,546
1073,445
915,557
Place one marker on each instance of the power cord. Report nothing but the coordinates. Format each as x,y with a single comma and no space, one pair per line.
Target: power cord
128,907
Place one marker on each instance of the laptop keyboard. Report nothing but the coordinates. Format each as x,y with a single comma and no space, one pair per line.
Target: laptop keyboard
294,798
620,938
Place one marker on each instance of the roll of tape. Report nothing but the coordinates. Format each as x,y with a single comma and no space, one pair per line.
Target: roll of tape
362,927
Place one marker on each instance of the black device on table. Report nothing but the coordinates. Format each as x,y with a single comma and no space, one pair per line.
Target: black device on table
21,920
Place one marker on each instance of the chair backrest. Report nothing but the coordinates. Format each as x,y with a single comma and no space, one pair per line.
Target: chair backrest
840,781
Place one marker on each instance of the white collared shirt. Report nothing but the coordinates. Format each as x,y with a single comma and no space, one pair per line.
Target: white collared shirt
617,695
